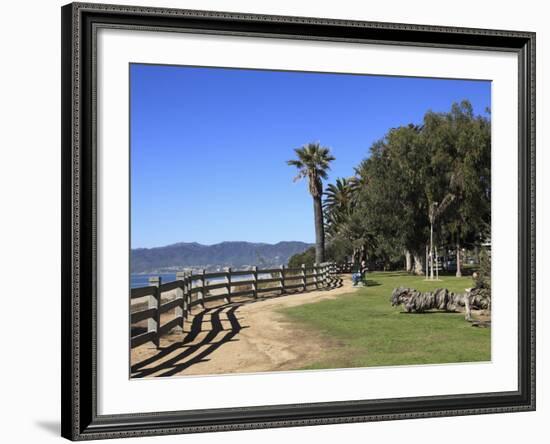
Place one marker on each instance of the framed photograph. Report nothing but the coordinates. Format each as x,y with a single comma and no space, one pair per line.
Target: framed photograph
276,221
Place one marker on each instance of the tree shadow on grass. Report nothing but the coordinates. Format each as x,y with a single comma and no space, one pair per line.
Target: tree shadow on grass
429,312
389,274
371,283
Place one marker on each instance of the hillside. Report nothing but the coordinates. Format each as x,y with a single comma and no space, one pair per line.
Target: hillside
224,254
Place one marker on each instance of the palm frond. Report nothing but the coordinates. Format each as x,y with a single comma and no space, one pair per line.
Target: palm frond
312,161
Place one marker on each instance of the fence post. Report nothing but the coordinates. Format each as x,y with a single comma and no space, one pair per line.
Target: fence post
202,294
304,283
315,271
255,284
187,295
180,294
282,276
183,275
154,302
228,279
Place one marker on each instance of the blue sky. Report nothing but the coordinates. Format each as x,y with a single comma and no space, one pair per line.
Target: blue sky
209,145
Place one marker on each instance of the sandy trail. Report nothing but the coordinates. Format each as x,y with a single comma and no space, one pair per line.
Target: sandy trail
242,337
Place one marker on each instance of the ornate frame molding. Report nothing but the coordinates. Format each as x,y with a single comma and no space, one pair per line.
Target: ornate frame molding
80,420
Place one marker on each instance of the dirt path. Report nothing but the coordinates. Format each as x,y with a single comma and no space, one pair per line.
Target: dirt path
241,337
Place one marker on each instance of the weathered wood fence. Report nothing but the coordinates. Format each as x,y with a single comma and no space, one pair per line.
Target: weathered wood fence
345,267
190,290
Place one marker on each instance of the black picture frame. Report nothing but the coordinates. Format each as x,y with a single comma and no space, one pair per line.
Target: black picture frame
79,385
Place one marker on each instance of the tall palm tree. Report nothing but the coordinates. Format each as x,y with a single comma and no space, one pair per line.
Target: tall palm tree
313,162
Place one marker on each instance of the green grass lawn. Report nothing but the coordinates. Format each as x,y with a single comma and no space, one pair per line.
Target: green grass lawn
372,333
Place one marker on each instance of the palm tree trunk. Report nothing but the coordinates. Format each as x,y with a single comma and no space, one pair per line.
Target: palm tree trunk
319,230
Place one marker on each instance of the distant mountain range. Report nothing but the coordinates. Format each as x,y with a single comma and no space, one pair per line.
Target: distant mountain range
225,254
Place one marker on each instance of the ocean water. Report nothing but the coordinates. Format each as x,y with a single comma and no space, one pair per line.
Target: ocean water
142,280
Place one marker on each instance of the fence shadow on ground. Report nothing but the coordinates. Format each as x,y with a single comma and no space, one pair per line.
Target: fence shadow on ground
210,329
333,282
191,350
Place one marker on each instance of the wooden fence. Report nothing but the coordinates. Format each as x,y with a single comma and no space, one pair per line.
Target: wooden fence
345,267
190,290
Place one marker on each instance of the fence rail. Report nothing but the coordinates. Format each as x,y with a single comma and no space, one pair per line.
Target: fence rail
345,267
190,290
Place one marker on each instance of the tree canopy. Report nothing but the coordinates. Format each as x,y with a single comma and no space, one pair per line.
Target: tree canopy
418,178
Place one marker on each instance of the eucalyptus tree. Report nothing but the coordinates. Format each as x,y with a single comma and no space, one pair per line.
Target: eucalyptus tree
396,177
312,162
460,146
436,209
421,186
387,190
